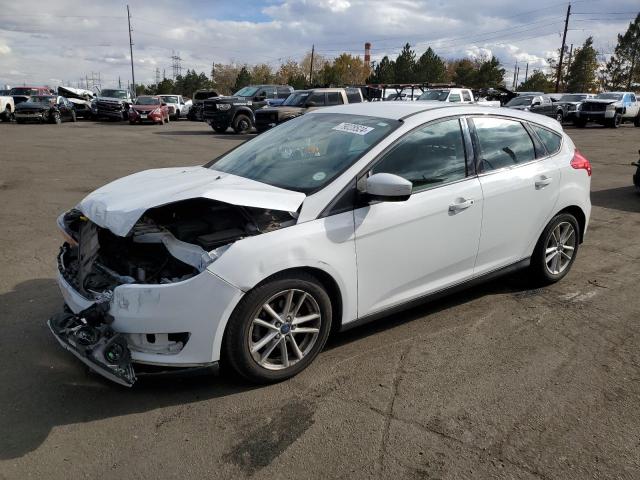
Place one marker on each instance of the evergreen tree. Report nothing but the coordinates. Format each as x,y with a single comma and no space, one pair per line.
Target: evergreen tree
464,72
384,71
623,68
430,68
243,79
405,65
582,74
537,82
489,74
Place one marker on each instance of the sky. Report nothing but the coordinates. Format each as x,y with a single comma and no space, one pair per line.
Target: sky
54,42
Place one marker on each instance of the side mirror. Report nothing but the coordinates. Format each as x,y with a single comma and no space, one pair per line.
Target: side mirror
387,187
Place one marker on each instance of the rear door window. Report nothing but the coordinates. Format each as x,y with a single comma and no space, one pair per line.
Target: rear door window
334,98
317,99
454,97
551,140
466,95
502,143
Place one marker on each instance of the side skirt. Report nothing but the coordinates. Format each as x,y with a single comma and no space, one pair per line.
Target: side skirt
522,264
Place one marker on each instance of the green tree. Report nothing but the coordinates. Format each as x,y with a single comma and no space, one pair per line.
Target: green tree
384,71
430,68
261,73
350,69
405,65
243,79
537,82
166,86
463,72
489,73
583,71
623,68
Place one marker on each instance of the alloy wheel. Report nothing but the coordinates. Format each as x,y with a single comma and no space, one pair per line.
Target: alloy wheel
284,329
560,248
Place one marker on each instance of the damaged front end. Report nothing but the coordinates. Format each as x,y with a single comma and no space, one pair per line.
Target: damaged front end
169,244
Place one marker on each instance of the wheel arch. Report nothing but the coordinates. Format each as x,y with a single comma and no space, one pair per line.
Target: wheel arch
580,216
244,111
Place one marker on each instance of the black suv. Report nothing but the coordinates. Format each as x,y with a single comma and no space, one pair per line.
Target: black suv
199,96
237,111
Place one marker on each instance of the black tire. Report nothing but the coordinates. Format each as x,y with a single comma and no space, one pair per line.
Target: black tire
539,269
7,114
242,123
219,129
636,122
74,117
55,117
559,117
580,122
235,344
615,121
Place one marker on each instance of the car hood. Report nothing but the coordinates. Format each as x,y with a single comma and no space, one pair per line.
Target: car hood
119,205
145,108
605,101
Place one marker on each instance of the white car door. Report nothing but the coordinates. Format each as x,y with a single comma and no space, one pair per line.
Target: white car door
408,249
520,188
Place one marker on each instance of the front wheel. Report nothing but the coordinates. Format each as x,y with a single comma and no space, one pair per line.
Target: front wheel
278,329
559,117
556,249
242,123
56,118
616,121
74,117
636,122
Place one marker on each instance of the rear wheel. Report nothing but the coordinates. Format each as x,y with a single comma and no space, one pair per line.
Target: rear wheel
74,117
7,114
556,249
278,329
559,117
242,123
636,122
615,121
56,118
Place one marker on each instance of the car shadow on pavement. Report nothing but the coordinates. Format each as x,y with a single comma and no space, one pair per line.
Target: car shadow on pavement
44,386
625,199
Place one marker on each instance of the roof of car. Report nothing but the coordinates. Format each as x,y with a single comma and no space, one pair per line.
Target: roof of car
401,110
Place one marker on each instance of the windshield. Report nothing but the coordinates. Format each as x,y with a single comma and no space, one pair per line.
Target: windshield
306,153
147,101
41,99
23,91
169,98
246,92
114,93
572,98
296,99
610,96
439,95
519,101
204,95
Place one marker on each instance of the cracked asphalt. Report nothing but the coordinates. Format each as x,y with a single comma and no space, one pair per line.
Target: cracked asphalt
500,381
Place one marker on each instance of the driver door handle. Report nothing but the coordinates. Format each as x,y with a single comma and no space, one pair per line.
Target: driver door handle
542,182
459,205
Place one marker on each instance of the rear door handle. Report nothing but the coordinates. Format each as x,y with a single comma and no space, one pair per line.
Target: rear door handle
459,205
543,182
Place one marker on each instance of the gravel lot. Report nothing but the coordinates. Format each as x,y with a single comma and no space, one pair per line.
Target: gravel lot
497,382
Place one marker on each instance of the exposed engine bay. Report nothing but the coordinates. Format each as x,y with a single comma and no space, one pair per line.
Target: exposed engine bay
168,244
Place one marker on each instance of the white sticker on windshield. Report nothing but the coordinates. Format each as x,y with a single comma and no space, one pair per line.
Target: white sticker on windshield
353,128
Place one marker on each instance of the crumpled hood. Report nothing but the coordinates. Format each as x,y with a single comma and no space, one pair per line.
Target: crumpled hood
119,205
606,101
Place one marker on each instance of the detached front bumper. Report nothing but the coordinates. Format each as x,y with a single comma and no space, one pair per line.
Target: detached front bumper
146,317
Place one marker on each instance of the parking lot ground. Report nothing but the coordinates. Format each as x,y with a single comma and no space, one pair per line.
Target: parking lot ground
500,381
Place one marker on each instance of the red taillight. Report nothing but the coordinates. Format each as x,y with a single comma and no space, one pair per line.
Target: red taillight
579,161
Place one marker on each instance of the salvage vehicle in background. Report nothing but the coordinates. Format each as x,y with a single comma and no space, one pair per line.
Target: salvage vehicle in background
112,103
569,103
81,99
335,218
45,109
149,109
237,111
22,94
176,105
7,108
540,104
299,103
610,109
447,95
199,96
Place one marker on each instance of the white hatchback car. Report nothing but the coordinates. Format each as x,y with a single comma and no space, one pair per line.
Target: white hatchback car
325,222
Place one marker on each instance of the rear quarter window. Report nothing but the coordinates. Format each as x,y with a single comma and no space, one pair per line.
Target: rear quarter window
552,141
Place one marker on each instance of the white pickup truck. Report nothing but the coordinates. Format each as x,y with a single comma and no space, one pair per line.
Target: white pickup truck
454,96
177,106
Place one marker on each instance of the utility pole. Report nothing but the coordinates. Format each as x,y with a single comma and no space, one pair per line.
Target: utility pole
513,84
570,55
133,77
526,73
313,49
517,78
564,42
